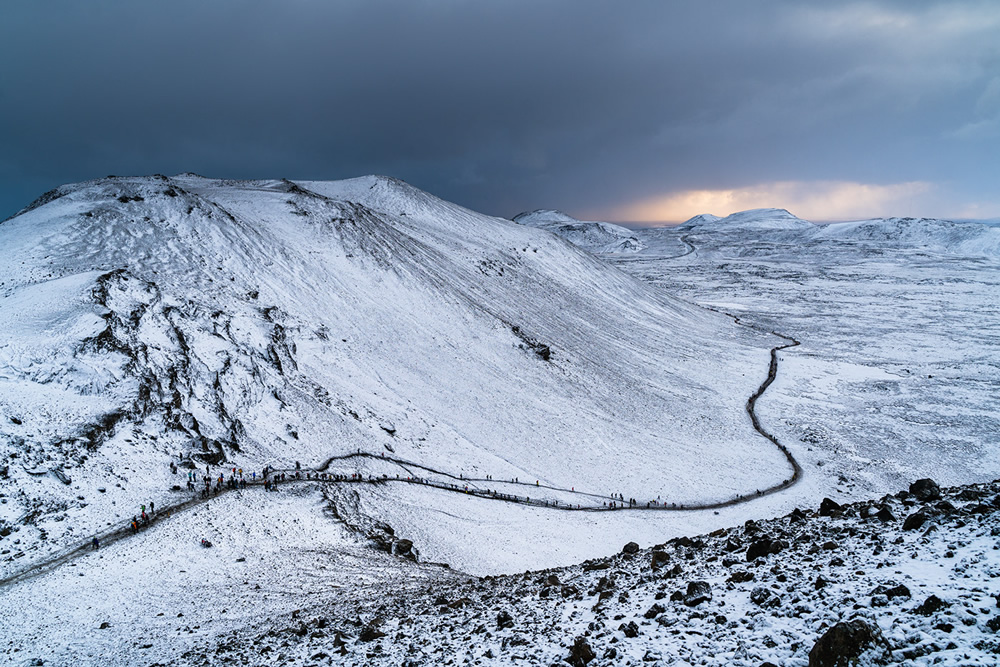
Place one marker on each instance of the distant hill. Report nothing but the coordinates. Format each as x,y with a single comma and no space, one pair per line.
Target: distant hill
595,237
759,219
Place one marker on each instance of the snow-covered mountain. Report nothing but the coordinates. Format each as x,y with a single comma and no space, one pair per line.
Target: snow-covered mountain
758,219
595,237
149,320
965,237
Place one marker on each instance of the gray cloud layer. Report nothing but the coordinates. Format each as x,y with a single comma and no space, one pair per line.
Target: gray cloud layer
503,106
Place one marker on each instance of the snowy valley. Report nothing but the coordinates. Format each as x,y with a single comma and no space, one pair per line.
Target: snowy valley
454,399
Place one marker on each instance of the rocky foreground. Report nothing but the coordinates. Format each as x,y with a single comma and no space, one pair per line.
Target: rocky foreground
908,579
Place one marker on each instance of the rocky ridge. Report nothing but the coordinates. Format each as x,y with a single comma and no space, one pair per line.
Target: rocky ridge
906,579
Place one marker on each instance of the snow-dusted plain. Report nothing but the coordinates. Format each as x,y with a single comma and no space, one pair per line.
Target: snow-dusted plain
898,371
156,327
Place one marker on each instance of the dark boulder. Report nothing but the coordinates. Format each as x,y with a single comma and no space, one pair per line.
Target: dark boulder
371,632
697,592
925,490
658,559
630,548
654,611
405,549
760,595
850,644
580,653
828,507
885,514
914,521
504,620
931,605
630,629
758,549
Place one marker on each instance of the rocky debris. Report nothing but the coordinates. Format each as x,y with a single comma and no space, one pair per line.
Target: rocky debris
631,548
894,592
697,592
925,490
849,644
580,653
405,549
763,609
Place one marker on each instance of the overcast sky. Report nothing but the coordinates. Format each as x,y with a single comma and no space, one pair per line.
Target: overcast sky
634,111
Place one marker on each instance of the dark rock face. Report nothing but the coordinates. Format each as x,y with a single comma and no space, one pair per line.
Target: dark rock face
925,490
697,592
630,548
580,653
828,507
659,559
849,644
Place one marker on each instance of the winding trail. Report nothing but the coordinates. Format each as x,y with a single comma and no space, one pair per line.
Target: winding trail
475,487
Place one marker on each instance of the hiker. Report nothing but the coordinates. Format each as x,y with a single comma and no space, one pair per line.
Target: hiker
97,544
152,507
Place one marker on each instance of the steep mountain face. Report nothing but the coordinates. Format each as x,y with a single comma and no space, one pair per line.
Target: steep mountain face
165,320
595,237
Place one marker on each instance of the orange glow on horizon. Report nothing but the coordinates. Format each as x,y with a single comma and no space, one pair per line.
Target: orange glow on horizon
815,200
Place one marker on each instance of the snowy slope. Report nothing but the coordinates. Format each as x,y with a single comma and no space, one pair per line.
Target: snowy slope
595,237
266,322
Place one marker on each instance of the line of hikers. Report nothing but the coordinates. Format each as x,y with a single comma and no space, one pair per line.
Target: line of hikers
139,521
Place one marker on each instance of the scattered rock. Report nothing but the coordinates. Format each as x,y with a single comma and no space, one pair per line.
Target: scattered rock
630,548
760,595
850,644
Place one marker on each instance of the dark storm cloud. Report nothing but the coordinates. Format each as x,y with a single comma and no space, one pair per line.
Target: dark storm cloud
502,106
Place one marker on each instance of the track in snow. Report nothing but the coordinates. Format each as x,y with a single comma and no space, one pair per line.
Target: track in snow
467,486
